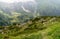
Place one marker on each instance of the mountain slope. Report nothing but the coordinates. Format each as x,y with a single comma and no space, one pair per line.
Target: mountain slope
29,10
37,29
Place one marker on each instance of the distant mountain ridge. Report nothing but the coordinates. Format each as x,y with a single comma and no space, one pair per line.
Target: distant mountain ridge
17,12
43,7
17,6
21,12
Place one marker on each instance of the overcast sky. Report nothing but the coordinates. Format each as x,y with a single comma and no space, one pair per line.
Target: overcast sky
10,1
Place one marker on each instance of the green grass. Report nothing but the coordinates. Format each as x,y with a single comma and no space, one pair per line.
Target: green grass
1,36
52,31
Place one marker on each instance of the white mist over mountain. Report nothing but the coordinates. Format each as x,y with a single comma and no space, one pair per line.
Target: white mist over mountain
11,1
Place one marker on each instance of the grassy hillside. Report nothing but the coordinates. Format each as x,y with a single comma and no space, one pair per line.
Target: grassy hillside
38,28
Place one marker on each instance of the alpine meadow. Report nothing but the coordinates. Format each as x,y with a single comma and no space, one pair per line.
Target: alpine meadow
29,19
